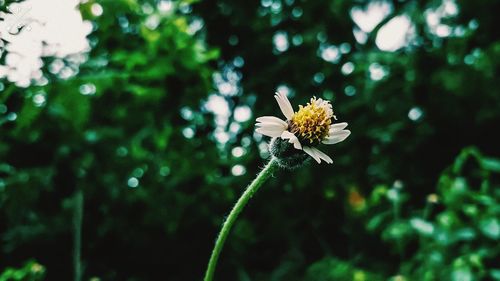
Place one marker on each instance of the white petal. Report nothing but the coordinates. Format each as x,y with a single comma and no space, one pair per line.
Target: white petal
287,135
270,126
322,155
271,119
296,143
337,137
270,132
291,139
285,105
338,127
311,152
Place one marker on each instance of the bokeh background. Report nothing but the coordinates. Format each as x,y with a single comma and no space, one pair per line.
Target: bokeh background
127,133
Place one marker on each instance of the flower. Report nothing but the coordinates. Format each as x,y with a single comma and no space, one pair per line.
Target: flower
306,128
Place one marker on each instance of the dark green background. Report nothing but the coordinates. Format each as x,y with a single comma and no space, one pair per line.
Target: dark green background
366,217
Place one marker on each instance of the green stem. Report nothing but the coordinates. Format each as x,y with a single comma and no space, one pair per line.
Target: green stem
77,234
233,215
396,205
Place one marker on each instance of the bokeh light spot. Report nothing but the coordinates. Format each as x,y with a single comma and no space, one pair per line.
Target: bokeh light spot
133,182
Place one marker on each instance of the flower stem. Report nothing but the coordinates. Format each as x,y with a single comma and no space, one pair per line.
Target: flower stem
233,215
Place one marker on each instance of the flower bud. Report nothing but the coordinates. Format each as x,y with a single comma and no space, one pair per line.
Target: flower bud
286,155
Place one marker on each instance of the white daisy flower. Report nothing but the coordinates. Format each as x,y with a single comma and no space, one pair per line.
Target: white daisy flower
306,128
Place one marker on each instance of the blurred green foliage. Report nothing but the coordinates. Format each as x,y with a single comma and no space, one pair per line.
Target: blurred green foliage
31,271
461,240
456,234
137,130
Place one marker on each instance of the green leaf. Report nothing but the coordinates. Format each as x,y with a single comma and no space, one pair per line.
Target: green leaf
495,273
491,228
422,226
491,164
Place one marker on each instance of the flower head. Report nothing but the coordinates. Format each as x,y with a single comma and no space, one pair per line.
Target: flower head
310,126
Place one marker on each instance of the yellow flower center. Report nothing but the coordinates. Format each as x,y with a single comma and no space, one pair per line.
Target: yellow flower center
312,122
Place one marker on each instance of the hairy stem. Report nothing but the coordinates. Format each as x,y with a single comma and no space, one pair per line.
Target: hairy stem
233,215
